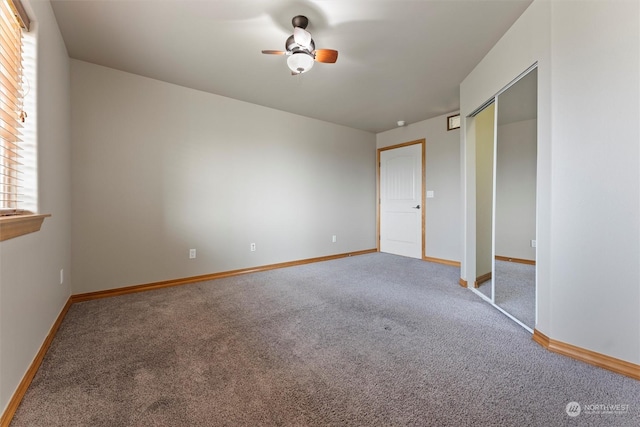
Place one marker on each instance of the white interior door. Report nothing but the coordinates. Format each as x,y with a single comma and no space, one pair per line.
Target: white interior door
401,201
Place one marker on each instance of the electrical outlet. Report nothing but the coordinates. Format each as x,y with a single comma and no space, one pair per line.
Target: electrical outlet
533,243
253,247
192,253
334,238
61,276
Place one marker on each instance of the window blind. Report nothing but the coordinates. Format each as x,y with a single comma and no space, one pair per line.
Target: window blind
12,116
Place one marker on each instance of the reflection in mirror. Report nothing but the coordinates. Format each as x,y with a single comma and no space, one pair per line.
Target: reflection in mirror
515,200
484,133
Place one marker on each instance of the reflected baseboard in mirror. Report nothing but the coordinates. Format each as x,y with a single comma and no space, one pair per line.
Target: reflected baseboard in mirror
520,260
517,291
483,284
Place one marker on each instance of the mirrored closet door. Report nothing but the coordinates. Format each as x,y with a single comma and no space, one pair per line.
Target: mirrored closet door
515,199
505,131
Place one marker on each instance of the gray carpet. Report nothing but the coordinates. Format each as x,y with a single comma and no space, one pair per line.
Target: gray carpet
516,290
485,288
373,340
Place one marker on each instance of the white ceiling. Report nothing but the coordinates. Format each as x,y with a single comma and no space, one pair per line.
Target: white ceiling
398,60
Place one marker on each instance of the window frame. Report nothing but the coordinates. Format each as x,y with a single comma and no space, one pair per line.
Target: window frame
15,221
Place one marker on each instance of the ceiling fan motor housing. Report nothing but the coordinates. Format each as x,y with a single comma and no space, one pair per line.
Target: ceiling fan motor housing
300,21
292,46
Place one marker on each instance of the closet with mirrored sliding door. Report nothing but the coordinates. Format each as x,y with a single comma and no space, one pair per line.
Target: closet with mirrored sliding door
504,129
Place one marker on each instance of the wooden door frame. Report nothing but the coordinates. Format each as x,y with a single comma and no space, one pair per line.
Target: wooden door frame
423,159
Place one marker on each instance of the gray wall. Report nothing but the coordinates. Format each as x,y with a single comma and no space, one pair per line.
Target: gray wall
516,190
442,171
31,296
485,141
158,169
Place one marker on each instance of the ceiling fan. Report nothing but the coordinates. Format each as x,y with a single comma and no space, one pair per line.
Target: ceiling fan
301,49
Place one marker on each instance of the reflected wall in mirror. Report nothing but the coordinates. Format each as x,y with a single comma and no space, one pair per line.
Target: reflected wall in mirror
515,199
485,139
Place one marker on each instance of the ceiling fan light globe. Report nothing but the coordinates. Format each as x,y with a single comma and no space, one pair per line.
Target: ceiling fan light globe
300,62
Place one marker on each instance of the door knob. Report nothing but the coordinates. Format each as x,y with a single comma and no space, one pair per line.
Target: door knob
416,207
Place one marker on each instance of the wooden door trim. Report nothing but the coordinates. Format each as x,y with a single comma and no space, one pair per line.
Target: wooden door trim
422,195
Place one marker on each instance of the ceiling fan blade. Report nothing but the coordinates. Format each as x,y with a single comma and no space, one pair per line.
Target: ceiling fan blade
274,52
328,56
